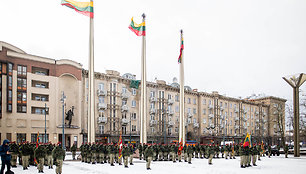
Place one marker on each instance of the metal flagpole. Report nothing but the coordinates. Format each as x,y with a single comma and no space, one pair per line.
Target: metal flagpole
143,101
182,107
91,99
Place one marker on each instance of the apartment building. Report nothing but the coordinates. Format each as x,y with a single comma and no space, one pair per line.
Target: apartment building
32,89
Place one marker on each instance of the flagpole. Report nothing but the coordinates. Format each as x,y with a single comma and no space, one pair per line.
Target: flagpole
182,107
143,101
91,99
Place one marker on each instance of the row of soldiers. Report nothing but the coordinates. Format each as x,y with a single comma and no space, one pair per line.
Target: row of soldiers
37,154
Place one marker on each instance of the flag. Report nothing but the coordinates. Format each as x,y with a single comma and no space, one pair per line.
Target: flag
138,29
37,141
181,51
134,84
247,141
120,146
180,147
85,8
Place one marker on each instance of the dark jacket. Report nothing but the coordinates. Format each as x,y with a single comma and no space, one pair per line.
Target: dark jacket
4,148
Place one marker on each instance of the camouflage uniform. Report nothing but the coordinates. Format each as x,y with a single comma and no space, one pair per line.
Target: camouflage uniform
59,154
39,155
14,152
149,155
73,151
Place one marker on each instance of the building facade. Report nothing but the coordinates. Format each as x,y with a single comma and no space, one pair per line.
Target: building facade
28,83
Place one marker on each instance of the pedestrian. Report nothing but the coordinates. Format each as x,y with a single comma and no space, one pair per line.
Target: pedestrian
211,153
5,157
131,148
14,152
125,155
189,152
286,149
59,154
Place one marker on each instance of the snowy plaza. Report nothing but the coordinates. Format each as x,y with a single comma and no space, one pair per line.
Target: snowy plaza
273,165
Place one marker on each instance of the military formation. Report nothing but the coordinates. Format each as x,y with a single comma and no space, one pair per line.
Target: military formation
40,155
101,153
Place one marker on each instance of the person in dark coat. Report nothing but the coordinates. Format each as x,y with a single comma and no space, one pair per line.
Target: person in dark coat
5,156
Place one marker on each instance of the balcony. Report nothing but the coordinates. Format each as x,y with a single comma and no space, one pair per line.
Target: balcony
125,121
152,111
257,120
236,118
102,120
189,115
153,99
257,128
210,116
222,117
170,101
101,92
196,125
236,110
256,113
236,127
170,123
102,106
153,122
264,114
210,107
170,112
124,108
125,96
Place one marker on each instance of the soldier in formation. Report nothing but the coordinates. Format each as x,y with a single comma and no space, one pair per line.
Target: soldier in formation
39,155
58,153
73,151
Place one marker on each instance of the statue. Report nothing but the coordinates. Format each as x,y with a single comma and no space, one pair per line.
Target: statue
69,116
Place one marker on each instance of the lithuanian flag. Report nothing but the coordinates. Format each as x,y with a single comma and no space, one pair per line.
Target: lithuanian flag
138,29
181,51
247,141
85,8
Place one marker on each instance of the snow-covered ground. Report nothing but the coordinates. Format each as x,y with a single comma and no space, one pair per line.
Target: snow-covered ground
273,165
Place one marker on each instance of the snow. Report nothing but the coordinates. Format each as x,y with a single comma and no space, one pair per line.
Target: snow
273,165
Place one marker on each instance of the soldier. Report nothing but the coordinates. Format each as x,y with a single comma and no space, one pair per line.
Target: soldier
202,150
189,152
217,150
248,157
39,155
106,154
111,152
155,152
242,156
211,152
254,153
269,151
149,155
173,152
119,160
24,150
160,152
259,151
88,153
226,149
49,150
14,152
140,151
58,153
185,153
73,151
100,153
131,148
197,150
286,149
82,152
125,153
93,151
222,151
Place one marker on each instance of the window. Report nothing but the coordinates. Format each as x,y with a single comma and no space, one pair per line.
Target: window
225,105
134,116
169,96
101,129
194,110
194,120
204,111
124,102
177,109
161,94
40,97
21,70
230,122
102,99
40,71
177,98
152,94
124,90
133,91
101,86
40,84
209,102
231,114
152,105
188,110
204,102
152,130
21,137
10,81
39,110
10,68
189,101
221,103
194,101
133,128
133,103
169,131
204,120
231,105
41,138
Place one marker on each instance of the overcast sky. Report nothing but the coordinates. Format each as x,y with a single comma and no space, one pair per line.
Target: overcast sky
235,47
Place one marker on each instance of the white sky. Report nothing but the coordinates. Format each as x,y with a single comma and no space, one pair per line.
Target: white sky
236,47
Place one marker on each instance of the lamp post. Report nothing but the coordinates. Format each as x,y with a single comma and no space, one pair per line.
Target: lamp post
295,81
130,128
63,105
46,110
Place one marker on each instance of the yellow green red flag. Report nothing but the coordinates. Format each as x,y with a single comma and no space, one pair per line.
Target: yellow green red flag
85,8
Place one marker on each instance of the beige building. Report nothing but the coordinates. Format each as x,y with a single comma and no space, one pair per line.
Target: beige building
29,82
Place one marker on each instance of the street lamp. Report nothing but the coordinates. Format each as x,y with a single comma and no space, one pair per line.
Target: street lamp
46,110
63,98
295,81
